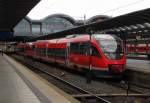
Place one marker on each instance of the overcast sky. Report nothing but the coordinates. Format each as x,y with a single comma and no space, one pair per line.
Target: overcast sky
78,8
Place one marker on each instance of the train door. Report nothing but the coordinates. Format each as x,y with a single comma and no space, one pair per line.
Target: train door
46,52
96,60
84,54
67,54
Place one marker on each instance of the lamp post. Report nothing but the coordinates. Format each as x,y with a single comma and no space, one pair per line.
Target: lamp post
89,71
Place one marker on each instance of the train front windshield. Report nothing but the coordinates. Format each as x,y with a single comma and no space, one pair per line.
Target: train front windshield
111,45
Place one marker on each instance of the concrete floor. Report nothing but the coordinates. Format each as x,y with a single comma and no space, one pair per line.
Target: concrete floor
12,87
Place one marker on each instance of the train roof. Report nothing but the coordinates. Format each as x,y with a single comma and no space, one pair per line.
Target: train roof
74,38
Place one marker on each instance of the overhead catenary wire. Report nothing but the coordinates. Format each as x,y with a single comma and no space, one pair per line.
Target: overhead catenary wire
124,6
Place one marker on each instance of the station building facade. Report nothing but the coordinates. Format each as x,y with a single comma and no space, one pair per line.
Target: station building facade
51,24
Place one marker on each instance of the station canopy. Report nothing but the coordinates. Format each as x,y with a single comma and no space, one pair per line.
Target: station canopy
12,11
131,23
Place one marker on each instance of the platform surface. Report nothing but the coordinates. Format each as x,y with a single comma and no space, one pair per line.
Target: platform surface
139,65
12,87
45,91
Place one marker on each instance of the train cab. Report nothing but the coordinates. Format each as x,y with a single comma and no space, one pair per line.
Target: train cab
112,53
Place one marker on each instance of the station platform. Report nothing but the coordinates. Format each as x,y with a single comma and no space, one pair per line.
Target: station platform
20,85
139,65
12,87
138,72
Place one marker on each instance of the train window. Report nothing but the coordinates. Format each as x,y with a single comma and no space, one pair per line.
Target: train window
36,50
43,51
74,48
22,49
95,52
79,48
58,52
49,52
33,47
111,45
62,53
83,48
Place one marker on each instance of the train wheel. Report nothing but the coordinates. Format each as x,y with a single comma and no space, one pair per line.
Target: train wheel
89,77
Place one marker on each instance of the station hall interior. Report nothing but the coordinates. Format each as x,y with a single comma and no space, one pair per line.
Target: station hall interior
60,58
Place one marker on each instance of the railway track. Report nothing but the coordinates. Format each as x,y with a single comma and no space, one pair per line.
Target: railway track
85,95
80,91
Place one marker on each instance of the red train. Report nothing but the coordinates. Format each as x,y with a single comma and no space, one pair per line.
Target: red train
143,49
140,48
103,54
